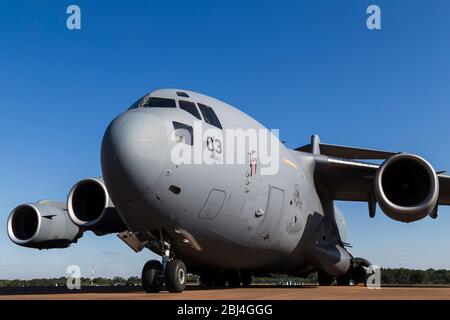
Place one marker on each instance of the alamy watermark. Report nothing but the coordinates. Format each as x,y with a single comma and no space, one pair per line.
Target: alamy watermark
373,22
373,277
73,21
74,277
258,148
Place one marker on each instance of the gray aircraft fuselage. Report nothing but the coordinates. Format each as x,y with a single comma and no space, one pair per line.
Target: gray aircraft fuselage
219,215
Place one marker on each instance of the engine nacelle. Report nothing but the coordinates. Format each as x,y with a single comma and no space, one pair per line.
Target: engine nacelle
406,187
91,208
42,225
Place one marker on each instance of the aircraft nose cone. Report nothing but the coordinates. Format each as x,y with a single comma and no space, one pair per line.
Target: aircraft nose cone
134,150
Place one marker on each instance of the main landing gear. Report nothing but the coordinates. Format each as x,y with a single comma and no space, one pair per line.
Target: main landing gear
357,274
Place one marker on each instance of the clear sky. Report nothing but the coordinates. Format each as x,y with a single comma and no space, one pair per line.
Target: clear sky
301,66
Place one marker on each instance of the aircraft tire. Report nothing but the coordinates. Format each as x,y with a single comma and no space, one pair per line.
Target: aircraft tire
175,276
150,280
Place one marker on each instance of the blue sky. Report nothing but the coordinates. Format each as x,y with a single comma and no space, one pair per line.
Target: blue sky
301,66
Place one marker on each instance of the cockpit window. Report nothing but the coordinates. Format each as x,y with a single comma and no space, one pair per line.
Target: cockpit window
183,133
136,104
182,94
153,102
209,115
190,107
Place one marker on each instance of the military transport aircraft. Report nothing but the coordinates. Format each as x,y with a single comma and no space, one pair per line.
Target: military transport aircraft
227,221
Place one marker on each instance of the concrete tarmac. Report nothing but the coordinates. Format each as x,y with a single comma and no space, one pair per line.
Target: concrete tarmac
252,293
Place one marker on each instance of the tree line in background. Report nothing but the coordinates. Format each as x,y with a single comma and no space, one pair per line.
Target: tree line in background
408,276
388,276
61,282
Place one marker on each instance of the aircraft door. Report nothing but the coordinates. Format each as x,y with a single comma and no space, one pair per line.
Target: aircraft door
272,214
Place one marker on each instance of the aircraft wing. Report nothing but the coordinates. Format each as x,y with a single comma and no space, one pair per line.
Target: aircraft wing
346,152
345,179
342,176
353,180
444,190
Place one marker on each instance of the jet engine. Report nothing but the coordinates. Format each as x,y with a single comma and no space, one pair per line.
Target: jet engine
91,208
406,187
42,225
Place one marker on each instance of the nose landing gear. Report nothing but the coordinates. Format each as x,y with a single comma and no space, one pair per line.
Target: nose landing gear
175,276
154,275
171,272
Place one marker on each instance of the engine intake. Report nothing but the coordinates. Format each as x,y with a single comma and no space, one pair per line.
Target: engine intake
406,187
42,225
91,208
